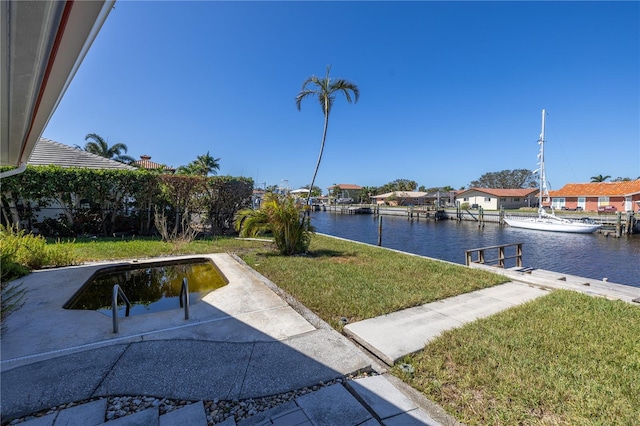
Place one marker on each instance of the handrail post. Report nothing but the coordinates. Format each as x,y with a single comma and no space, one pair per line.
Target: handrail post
117,291
184,291
500,261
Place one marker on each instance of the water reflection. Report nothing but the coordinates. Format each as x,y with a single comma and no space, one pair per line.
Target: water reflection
149,288
588,255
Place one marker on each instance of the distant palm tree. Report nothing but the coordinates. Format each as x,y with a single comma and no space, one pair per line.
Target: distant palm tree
203,165
324,89
599,178
99,146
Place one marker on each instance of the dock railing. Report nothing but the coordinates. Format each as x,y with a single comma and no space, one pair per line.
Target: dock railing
498,261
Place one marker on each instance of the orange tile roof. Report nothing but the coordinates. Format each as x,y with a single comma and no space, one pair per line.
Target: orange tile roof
146,163
345,186
598,189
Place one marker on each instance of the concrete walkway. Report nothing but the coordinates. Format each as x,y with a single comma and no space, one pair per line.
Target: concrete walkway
368,401
392,336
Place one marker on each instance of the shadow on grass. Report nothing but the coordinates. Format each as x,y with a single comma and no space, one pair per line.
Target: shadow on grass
330,253
315,254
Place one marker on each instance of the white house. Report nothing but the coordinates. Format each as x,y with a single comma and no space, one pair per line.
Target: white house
494,199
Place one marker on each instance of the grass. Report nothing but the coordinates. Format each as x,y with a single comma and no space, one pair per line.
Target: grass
565,358
340,279
120,248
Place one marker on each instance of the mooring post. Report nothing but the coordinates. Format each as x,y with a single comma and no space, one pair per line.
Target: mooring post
380,230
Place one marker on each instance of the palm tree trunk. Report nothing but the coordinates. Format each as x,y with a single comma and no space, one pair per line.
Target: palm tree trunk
324,137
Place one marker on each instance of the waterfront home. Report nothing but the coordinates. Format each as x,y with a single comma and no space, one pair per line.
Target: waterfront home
401,198
494,199
344,193
603,197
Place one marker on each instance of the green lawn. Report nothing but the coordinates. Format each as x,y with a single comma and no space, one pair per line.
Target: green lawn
566,358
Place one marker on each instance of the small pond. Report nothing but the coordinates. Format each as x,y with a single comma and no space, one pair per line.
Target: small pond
150,287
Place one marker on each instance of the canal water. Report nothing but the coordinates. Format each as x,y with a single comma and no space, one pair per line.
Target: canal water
587,255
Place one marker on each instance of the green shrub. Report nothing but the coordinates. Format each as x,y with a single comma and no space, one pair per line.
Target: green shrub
284,218
12,293
33,251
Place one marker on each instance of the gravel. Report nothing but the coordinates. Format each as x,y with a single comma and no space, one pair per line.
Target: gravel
216,411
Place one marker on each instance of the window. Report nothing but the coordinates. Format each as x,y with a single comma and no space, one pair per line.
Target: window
503,199
557,203
487,199
516,199
603,201
465,199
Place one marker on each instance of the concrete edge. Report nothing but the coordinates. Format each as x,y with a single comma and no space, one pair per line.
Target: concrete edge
590,287
425,404
310,316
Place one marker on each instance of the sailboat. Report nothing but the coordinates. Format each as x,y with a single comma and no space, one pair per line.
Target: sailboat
549,221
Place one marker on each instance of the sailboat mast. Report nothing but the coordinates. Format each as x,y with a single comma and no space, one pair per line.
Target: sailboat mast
543,177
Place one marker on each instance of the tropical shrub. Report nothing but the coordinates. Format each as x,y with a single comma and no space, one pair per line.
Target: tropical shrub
283,218
12,293
32,251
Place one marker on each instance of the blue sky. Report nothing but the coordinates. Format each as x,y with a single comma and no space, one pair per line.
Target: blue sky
448,90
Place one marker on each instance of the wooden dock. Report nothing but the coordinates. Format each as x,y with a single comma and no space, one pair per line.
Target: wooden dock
616,224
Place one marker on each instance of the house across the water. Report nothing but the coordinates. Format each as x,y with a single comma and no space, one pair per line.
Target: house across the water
495,199
603,197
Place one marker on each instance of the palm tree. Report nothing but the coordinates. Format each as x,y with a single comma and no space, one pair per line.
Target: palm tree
283,217
99,146
325,89
599,178
203,165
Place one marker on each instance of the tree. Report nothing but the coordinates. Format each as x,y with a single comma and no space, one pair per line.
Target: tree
506,179
398,185
325,89
315,192
599,178
203,165
280,215
99,146
624,179
366,193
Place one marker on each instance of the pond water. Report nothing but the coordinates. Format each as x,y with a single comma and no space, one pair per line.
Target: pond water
587,255
150,287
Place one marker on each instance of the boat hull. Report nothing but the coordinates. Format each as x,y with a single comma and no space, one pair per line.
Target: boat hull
541,224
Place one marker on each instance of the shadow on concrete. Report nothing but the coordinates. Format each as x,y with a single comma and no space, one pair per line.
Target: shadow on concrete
241,341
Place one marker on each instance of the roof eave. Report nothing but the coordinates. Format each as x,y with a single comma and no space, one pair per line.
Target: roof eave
44,43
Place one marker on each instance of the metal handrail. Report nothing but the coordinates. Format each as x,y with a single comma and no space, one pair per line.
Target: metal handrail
501,255
117,291
184,291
